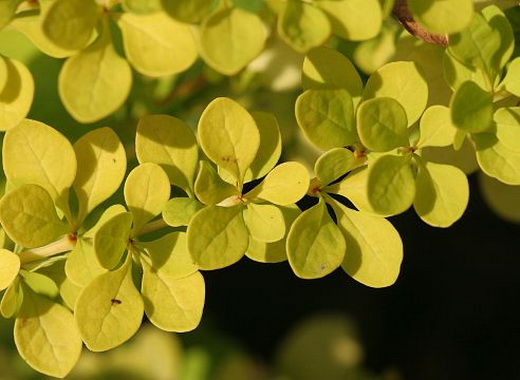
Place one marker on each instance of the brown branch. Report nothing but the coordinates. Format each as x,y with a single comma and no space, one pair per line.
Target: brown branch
403,15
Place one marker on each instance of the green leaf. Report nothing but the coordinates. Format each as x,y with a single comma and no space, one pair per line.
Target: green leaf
70,23
465,158
147,189
501,26
170,255
333,164
229,136
142,6
29,217
210,188
9,267
507,121
173,304
477,46
472,108
109,310
354,20
189,11
315,245
503,199
326,68
287,183
496,160
442,17
273,252
265,222
456,73
270,147
40,284
12,300
402,81
156,45
46,336
36,153
391,184
327,118
17,94
8,11
436,128
230,38
512,78
303,25
31,26
95,82
111,239
382,124
442,194
4,72
101,168
217,237
374,248
170,143
82,265
179,211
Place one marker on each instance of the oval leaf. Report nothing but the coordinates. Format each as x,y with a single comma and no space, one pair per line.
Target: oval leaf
472,108
111,239
507,121
179,211
315,245
265,222
497,160
333,164
442,17
436,127
109,310
9,267
217,237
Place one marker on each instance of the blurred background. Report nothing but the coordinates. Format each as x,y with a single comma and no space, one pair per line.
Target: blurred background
451,315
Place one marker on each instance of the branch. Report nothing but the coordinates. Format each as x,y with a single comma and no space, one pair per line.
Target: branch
403,15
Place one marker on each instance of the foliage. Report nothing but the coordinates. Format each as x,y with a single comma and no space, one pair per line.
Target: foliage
397,120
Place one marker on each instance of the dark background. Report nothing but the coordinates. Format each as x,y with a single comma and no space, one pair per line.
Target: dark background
451,315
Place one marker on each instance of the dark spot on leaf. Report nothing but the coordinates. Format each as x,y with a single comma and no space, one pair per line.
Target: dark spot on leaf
116,302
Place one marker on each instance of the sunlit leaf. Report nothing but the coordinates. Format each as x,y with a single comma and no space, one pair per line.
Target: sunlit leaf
512,78
315,245
8,11
456,73
95,82
442,194
229,136
46,336
29,217
142,6
333,164
16,95
382,124
354,20
111,239
501,26
374,248
287,183
12,300
210,188
156,45
109,310
265,222
327,117
36,153
82,265
173,304
507,121
101,168
273,252
70,23
230,38
9,267
402,81
190,11
436,128
270,147
179,211
217,237
147,189
391,184
464,158
442,17
303,25
170,143
472,108
170,255
496,160
326,68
